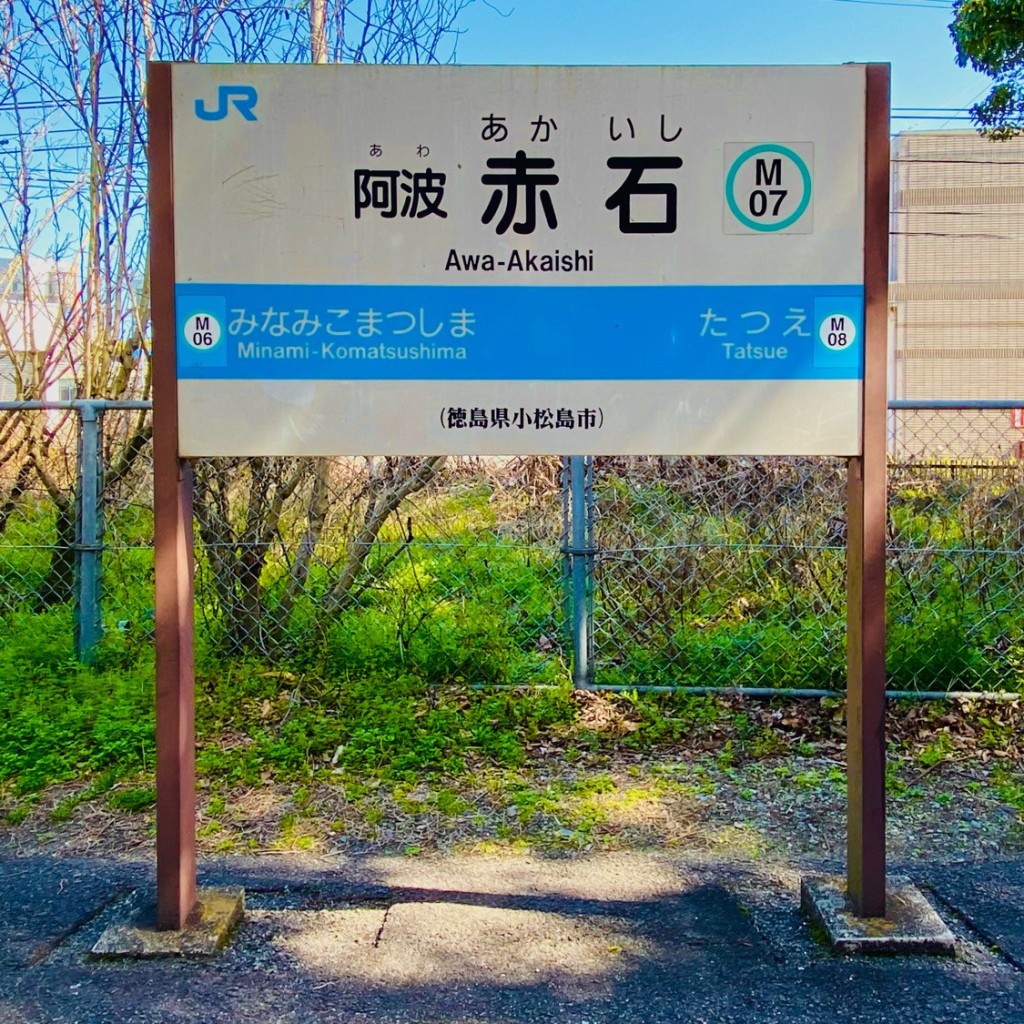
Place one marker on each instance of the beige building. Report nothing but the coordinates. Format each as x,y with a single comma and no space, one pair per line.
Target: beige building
37,339
956,310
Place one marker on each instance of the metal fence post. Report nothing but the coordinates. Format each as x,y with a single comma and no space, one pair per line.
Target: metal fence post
581,561
88,534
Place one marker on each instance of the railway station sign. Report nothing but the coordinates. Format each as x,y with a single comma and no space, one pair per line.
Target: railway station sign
518,260
365,260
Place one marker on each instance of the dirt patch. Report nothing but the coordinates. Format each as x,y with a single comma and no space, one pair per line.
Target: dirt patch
757,780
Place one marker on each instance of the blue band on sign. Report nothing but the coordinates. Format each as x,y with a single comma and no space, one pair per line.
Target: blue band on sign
525,332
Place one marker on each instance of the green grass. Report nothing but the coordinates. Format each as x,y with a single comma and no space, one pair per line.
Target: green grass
61,721
383,688
133,800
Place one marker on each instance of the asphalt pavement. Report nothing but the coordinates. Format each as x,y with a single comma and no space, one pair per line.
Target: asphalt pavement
624,938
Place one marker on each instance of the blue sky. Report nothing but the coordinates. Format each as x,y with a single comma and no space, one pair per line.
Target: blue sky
911,35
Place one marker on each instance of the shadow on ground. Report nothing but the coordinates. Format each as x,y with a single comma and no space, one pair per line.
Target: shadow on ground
624,937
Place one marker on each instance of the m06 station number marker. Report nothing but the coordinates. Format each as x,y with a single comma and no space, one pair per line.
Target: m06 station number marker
202,331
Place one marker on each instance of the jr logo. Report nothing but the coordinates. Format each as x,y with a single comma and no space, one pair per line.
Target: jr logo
242,96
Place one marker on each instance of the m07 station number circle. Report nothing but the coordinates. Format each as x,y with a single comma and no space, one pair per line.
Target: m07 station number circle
768,187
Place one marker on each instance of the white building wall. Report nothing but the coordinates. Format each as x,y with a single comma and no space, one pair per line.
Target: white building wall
957,291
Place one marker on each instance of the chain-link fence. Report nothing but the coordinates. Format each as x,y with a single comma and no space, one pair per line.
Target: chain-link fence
956,548
451,569
76,521
664,571
731,571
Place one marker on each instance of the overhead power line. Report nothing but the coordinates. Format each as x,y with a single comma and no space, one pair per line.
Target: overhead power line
60,102
925,6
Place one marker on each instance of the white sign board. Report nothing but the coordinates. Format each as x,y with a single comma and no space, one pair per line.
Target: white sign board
503,260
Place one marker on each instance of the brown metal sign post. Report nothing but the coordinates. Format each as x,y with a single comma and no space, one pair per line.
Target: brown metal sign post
172,500
866,499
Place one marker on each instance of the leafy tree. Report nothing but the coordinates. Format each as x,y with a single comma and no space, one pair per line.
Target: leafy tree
989,37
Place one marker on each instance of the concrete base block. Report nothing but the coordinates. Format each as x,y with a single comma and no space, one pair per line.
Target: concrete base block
910,927
207,931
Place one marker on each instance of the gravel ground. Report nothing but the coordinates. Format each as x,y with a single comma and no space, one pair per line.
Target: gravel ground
777,806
